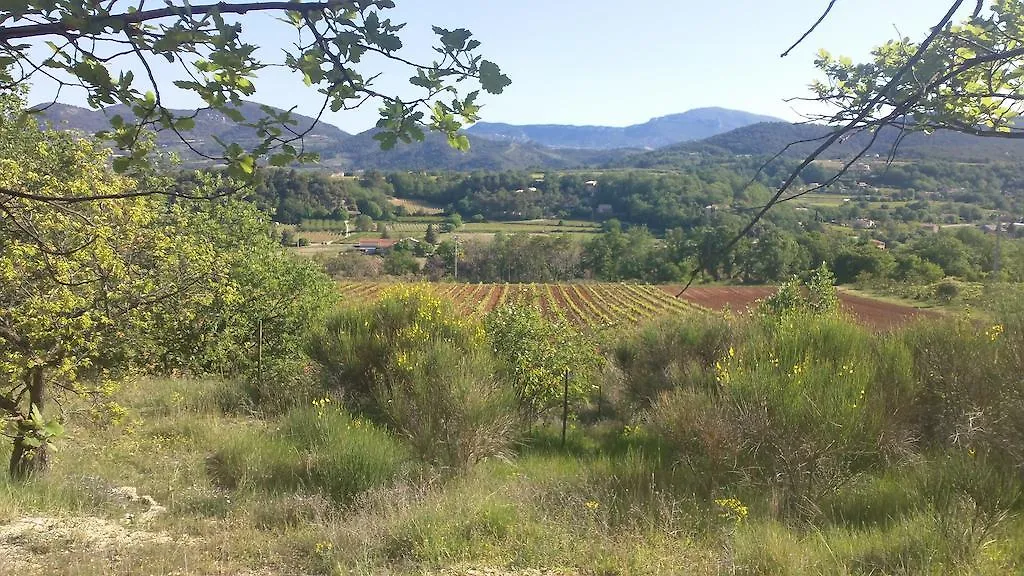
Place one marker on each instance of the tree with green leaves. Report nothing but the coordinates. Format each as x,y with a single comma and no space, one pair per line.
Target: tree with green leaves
965,77
208,52
431,237
364,223
93,289
536,354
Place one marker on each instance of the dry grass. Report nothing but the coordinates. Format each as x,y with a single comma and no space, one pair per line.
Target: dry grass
143,496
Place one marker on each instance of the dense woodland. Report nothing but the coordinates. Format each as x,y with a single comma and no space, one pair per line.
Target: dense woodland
660,226
926,192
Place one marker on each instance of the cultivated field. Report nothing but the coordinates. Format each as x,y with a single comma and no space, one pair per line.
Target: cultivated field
599,305
590,306
872,312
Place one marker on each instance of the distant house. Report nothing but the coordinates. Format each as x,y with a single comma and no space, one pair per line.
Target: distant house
604,208
878,244
864,224
379,246
934,228
591,183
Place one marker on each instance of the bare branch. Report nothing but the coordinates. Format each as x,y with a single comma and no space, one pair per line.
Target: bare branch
814,27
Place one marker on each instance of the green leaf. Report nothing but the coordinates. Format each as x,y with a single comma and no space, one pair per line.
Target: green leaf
459,142
282,159
121,164
184,124
37,417
247,164
491,78
53,429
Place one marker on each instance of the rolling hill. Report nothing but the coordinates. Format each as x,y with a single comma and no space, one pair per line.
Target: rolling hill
363,152
339,150
513,148
769,138
208,124
693,125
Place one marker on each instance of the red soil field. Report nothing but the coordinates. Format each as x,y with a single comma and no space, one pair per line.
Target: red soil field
874,313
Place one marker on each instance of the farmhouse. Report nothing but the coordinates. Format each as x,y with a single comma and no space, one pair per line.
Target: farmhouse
375,246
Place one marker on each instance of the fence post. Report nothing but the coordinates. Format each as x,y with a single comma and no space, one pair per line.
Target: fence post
259,353
565,405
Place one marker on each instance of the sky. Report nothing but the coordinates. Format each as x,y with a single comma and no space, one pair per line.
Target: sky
616,63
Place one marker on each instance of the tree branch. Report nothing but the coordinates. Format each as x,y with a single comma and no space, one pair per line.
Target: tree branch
854,124
127,18
811,30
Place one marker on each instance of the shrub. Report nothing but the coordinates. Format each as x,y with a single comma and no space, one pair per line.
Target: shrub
947,291
670,353
802,398
799,406
702,435
319,449
535,354
815,296
970,386
449,404
411,363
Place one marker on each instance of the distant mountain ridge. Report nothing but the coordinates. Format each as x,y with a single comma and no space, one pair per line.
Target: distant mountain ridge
695,124
208,124
434,153
770,138
339,150
342,151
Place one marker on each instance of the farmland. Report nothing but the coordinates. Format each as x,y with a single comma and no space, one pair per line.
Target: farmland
605,304
588,306
868,311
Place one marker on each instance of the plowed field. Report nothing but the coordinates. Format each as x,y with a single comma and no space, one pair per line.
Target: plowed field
874,313
606,305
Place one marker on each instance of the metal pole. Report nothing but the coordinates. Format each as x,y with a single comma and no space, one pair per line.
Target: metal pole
565,406
456,236
259,353
998,254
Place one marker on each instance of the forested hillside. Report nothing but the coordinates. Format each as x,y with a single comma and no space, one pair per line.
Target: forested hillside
766,139
666,130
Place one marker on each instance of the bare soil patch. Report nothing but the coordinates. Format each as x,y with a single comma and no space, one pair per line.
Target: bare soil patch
877,314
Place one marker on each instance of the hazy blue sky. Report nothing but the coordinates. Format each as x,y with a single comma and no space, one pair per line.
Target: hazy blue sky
618,63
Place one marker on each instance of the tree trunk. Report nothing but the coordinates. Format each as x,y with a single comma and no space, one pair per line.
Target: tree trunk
27,460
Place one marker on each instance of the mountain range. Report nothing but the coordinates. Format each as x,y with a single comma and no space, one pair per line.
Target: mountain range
209,125
770,138
675,139
493,146
695,124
